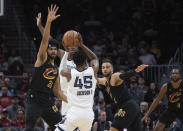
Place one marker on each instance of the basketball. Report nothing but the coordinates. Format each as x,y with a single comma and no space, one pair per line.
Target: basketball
70,38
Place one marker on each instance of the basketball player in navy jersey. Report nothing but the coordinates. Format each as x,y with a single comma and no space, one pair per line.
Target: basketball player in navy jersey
174,92
128,115
45,79
70,63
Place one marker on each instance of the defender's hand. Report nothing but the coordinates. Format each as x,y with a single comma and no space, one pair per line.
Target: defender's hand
52,13
38,18
141,67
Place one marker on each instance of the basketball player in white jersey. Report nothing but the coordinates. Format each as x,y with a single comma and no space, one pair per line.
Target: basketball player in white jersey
64,84
81,87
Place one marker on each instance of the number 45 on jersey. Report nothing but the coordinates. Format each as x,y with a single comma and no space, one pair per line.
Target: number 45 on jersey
85,81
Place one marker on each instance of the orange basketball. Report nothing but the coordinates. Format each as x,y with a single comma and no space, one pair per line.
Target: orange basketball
70,38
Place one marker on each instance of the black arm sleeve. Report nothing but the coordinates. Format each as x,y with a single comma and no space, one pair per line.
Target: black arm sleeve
127,74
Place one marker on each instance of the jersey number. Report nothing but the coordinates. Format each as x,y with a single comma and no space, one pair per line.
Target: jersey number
87,82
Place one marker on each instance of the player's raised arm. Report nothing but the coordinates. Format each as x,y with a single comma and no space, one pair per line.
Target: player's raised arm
156,102
64,71
94,62
60,52
39,24
88,52
42,55
57,90
130,73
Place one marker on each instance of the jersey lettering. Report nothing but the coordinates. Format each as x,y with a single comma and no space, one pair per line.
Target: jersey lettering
87,82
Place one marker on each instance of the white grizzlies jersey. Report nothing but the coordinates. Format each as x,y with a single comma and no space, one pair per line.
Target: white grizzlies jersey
63,80
64,85
81,88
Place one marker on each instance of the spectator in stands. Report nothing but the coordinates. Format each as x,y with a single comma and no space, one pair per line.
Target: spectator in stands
155,50
2,83
5,90
3,63
19,120
141,84
97,49
136,93
152,92
148,124
102,124
175,127
4,118
23,85
131,57
5,100
7,82
143,107
15,63
146,58
102,107
14,57
12,109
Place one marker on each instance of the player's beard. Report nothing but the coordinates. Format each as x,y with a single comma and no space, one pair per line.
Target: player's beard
52,56
107,75
175,80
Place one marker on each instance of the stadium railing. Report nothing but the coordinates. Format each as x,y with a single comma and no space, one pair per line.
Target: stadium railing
159,74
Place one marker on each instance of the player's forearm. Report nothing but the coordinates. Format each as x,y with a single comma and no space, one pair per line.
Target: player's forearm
88,52
152,107
61,96
41,29
127,74
63,63
46,33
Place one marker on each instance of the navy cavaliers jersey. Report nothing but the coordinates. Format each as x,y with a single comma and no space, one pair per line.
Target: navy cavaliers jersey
175,97
44,78
119,94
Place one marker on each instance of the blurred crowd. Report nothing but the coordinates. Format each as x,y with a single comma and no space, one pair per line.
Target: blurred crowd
129,32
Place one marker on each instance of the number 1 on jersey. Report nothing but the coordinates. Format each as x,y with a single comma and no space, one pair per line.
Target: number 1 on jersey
87,82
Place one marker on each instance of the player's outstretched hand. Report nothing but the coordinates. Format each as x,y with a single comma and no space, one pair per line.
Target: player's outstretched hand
141,67
52,13
38,18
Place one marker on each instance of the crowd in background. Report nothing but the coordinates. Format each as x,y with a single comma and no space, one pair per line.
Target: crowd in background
13,103
128,32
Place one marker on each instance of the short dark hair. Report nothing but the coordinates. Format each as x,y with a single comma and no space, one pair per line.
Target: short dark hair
53,43
106,60
79,58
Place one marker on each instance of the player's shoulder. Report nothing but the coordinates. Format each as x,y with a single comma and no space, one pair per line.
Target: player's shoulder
115,75
165,85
